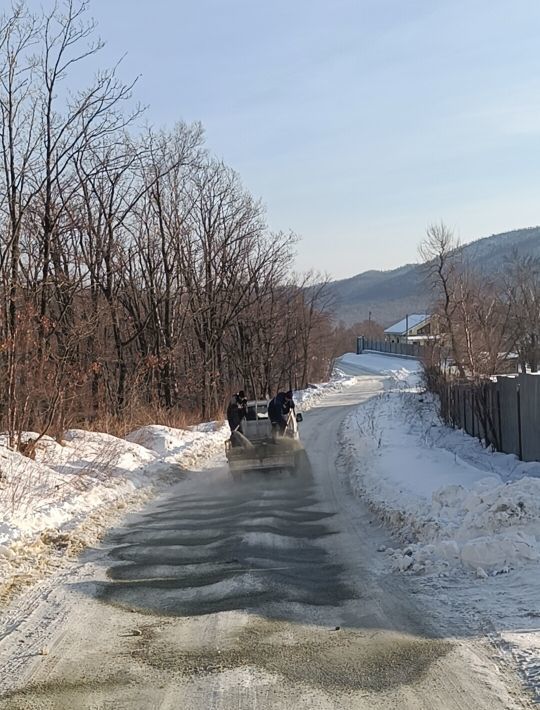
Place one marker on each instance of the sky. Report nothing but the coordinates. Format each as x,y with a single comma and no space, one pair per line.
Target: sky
357,122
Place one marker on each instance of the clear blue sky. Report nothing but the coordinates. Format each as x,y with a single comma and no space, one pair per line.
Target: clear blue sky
358,122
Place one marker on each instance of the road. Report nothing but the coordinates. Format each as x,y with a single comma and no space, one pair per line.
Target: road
267,594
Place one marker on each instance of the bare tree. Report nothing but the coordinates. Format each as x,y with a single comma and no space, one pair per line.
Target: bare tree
69,125
441,256
136,270
522,291
18,36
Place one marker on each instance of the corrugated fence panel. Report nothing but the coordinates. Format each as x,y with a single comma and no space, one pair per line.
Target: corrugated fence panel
508,387
493,434
469,422
383,346
480,413
530,416
505,413
463,407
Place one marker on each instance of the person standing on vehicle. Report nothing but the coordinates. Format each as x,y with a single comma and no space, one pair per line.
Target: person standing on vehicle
237,411
278,410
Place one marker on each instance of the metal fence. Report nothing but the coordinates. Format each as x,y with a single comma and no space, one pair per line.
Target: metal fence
381,346
504,413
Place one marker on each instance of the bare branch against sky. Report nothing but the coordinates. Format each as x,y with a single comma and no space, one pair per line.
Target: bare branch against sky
357,122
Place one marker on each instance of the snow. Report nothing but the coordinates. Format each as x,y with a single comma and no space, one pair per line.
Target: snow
412,321
401,370
440,498
170,444
66,481
85,477
464,517
90,473
315,393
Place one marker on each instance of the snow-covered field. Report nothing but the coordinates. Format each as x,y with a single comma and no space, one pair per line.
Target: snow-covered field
466,520
70,490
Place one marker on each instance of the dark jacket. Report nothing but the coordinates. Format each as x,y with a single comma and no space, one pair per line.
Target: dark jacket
279,408
236,411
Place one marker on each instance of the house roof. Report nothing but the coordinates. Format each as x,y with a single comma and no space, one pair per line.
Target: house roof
413,320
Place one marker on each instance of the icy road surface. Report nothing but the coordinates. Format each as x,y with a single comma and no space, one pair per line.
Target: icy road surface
267,593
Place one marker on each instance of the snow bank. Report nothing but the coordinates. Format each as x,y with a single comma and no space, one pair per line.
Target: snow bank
192,445
458,506
86,473
89,472
66,481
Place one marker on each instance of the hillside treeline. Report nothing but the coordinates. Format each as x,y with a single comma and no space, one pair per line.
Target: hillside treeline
138,275
488,321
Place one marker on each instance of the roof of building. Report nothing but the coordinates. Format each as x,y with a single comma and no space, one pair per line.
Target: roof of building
413,320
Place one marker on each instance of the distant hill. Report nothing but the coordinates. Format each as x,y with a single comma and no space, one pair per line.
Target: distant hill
389,295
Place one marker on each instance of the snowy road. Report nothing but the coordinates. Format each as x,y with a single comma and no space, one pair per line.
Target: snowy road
265,594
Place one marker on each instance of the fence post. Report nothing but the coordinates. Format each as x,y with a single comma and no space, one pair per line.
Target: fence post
443,402
518,399
499,420
478,405
488,413
473,406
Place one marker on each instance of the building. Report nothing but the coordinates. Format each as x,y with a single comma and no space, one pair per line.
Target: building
414,328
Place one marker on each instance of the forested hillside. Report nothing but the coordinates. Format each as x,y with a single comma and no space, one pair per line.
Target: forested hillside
390,294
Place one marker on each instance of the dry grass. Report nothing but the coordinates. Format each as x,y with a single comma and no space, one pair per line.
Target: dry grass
25,489
51,549
140,416
17,487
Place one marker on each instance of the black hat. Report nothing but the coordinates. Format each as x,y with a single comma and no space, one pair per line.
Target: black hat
289,394
242,394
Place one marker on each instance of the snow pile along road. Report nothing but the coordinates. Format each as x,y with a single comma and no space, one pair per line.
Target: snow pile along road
89,475
189,446
66,480
458,506
467,519
67,494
